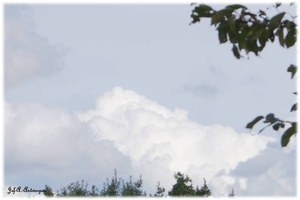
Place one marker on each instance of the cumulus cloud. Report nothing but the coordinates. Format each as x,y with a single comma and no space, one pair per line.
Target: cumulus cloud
150,133
51,146
273,167
136,136
26,53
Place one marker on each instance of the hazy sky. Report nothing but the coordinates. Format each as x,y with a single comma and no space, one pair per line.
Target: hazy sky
93,88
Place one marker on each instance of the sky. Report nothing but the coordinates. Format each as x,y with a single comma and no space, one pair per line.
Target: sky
93,88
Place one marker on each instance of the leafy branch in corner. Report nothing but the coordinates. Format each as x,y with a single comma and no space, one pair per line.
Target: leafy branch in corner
250,32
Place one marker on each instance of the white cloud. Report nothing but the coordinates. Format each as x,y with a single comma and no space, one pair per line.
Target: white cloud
149,133
27,54
51,146
243,183
136,136
275,168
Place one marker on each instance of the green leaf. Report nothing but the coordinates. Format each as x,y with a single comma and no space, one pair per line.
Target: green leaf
205,7
278,4
280,36
294,107
203,10
288,134
251,31
223,27
218,16
272,37
236,52
259,32
242,45
274,21
292,69
290,38
263,38
270,118
262,13
222,37
233,37
196,18
243,31
276,126
252,46
265,35
251,124
282,125
289,24
236,6
231,22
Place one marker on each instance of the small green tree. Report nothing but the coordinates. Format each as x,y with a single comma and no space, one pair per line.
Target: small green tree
111,188
48,192
232,193
183,186
74,189
94,192
132,188
160,191
204,191
118,187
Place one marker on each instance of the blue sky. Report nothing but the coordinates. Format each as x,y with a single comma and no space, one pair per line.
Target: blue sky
134,87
